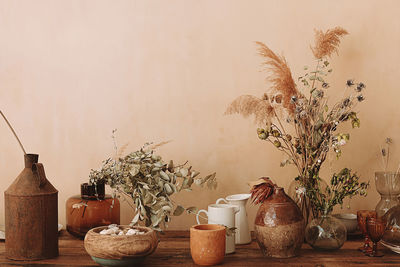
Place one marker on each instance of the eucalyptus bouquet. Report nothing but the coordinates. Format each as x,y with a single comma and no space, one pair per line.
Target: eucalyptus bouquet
299,119
150,182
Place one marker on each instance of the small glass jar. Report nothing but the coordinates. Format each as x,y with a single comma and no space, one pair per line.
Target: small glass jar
91,209
326,233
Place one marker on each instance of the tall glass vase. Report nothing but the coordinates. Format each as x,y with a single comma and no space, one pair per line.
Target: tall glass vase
388,186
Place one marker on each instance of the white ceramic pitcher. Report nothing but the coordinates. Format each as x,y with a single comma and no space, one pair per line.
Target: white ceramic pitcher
223,214
242,235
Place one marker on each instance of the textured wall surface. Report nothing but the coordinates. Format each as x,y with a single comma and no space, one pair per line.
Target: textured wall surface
71,71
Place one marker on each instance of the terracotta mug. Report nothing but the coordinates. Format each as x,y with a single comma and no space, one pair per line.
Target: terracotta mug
207,244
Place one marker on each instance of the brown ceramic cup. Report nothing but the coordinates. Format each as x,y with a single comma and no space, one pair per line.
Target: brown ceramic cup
207,244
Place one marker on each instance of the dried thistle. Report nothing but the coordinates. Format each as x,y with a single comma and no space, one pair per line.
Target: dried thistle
247,105
280,75
327,42
386,152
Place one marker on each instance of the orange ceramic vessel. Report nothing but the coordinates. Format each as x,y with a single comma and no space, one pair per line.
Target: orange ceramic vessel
207,244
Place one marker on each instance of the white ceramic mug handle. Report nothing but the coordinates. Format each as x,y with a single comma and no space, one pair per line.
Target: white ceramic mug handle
198,214
221,199
236,209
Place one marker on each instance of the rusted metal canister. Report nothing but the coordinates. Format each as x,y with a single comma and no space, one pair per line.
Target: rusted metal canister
31,214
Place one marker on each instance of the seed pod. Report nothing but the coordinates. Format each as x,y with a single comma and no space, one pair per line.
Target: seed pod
277,143
260,130
275,133
262,136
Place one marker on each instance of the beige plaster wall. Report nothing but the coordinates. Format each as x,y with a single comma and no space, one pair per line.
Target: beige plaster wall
71,71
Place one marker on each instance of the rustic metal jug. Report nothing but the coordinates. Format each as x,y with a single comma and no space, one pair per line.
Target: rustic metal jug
31,214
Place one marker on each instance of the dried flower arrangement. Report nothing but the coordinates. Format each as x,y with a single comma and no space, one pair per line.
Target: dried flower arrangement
342,185
385,153
150,182
312,122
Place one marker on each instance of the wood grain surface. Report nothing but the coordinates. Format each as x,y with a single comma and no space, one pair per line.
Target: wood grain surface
173,250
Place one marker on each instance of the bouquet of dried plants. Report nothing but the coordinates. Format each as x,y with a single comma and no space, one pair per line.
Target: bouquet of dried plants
298,118
150,183
344,184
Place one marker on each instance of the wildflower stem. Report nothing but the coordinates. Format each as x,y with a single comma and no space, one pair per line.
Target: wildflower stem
12,130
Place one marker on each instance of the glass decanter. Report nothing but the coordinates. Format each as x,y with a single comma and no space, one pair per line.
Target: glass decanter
91,209
388,186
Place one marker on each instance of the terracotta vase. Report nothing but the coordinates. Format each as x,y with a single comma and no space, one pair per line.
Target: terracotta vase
279,226
207,244
88,210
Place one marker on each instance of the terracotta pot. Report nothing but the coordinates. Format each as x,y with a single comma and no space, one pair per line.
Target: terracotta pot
124,250
207,244
279,226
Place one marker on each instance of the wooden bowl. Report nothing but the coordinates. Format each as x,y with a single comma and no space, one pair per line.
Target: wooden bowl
108,250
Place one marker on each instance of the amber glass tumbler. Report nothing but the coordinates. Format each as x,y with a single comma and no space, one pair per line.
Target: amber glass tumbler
91,209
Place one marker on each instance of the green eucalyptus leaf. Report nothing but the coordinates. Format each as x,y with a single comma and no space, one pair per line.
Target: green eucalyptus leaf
135,219
192,210
168,188
135,168
184,172
166,208
164,176
179,210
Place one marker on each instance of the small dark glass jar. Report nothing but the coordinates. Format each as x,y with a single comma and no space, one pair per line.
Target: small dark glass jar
88,210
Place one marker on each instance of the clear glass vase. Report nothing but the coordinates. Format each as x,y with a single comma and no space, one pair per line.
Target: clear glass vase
388,186
297,192
325,233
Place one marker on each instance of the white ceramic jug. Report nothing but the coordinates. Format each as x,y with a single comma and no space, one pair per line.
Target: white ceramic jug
223,214
242,235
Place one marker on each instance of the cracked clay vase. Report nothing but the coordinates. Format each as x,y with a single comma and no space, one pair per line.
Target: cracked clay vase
279,226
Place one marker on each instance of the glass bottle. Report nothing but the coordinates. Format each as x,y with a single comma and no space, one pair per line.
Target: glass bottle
87,210
388,186
326,233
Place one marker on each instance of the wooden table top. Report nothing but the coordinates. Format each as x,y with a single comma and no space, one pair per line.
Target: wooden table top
173,250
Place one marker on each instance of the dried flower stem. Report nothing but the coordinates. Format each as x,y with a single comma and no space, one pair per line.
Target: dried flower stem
12,130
